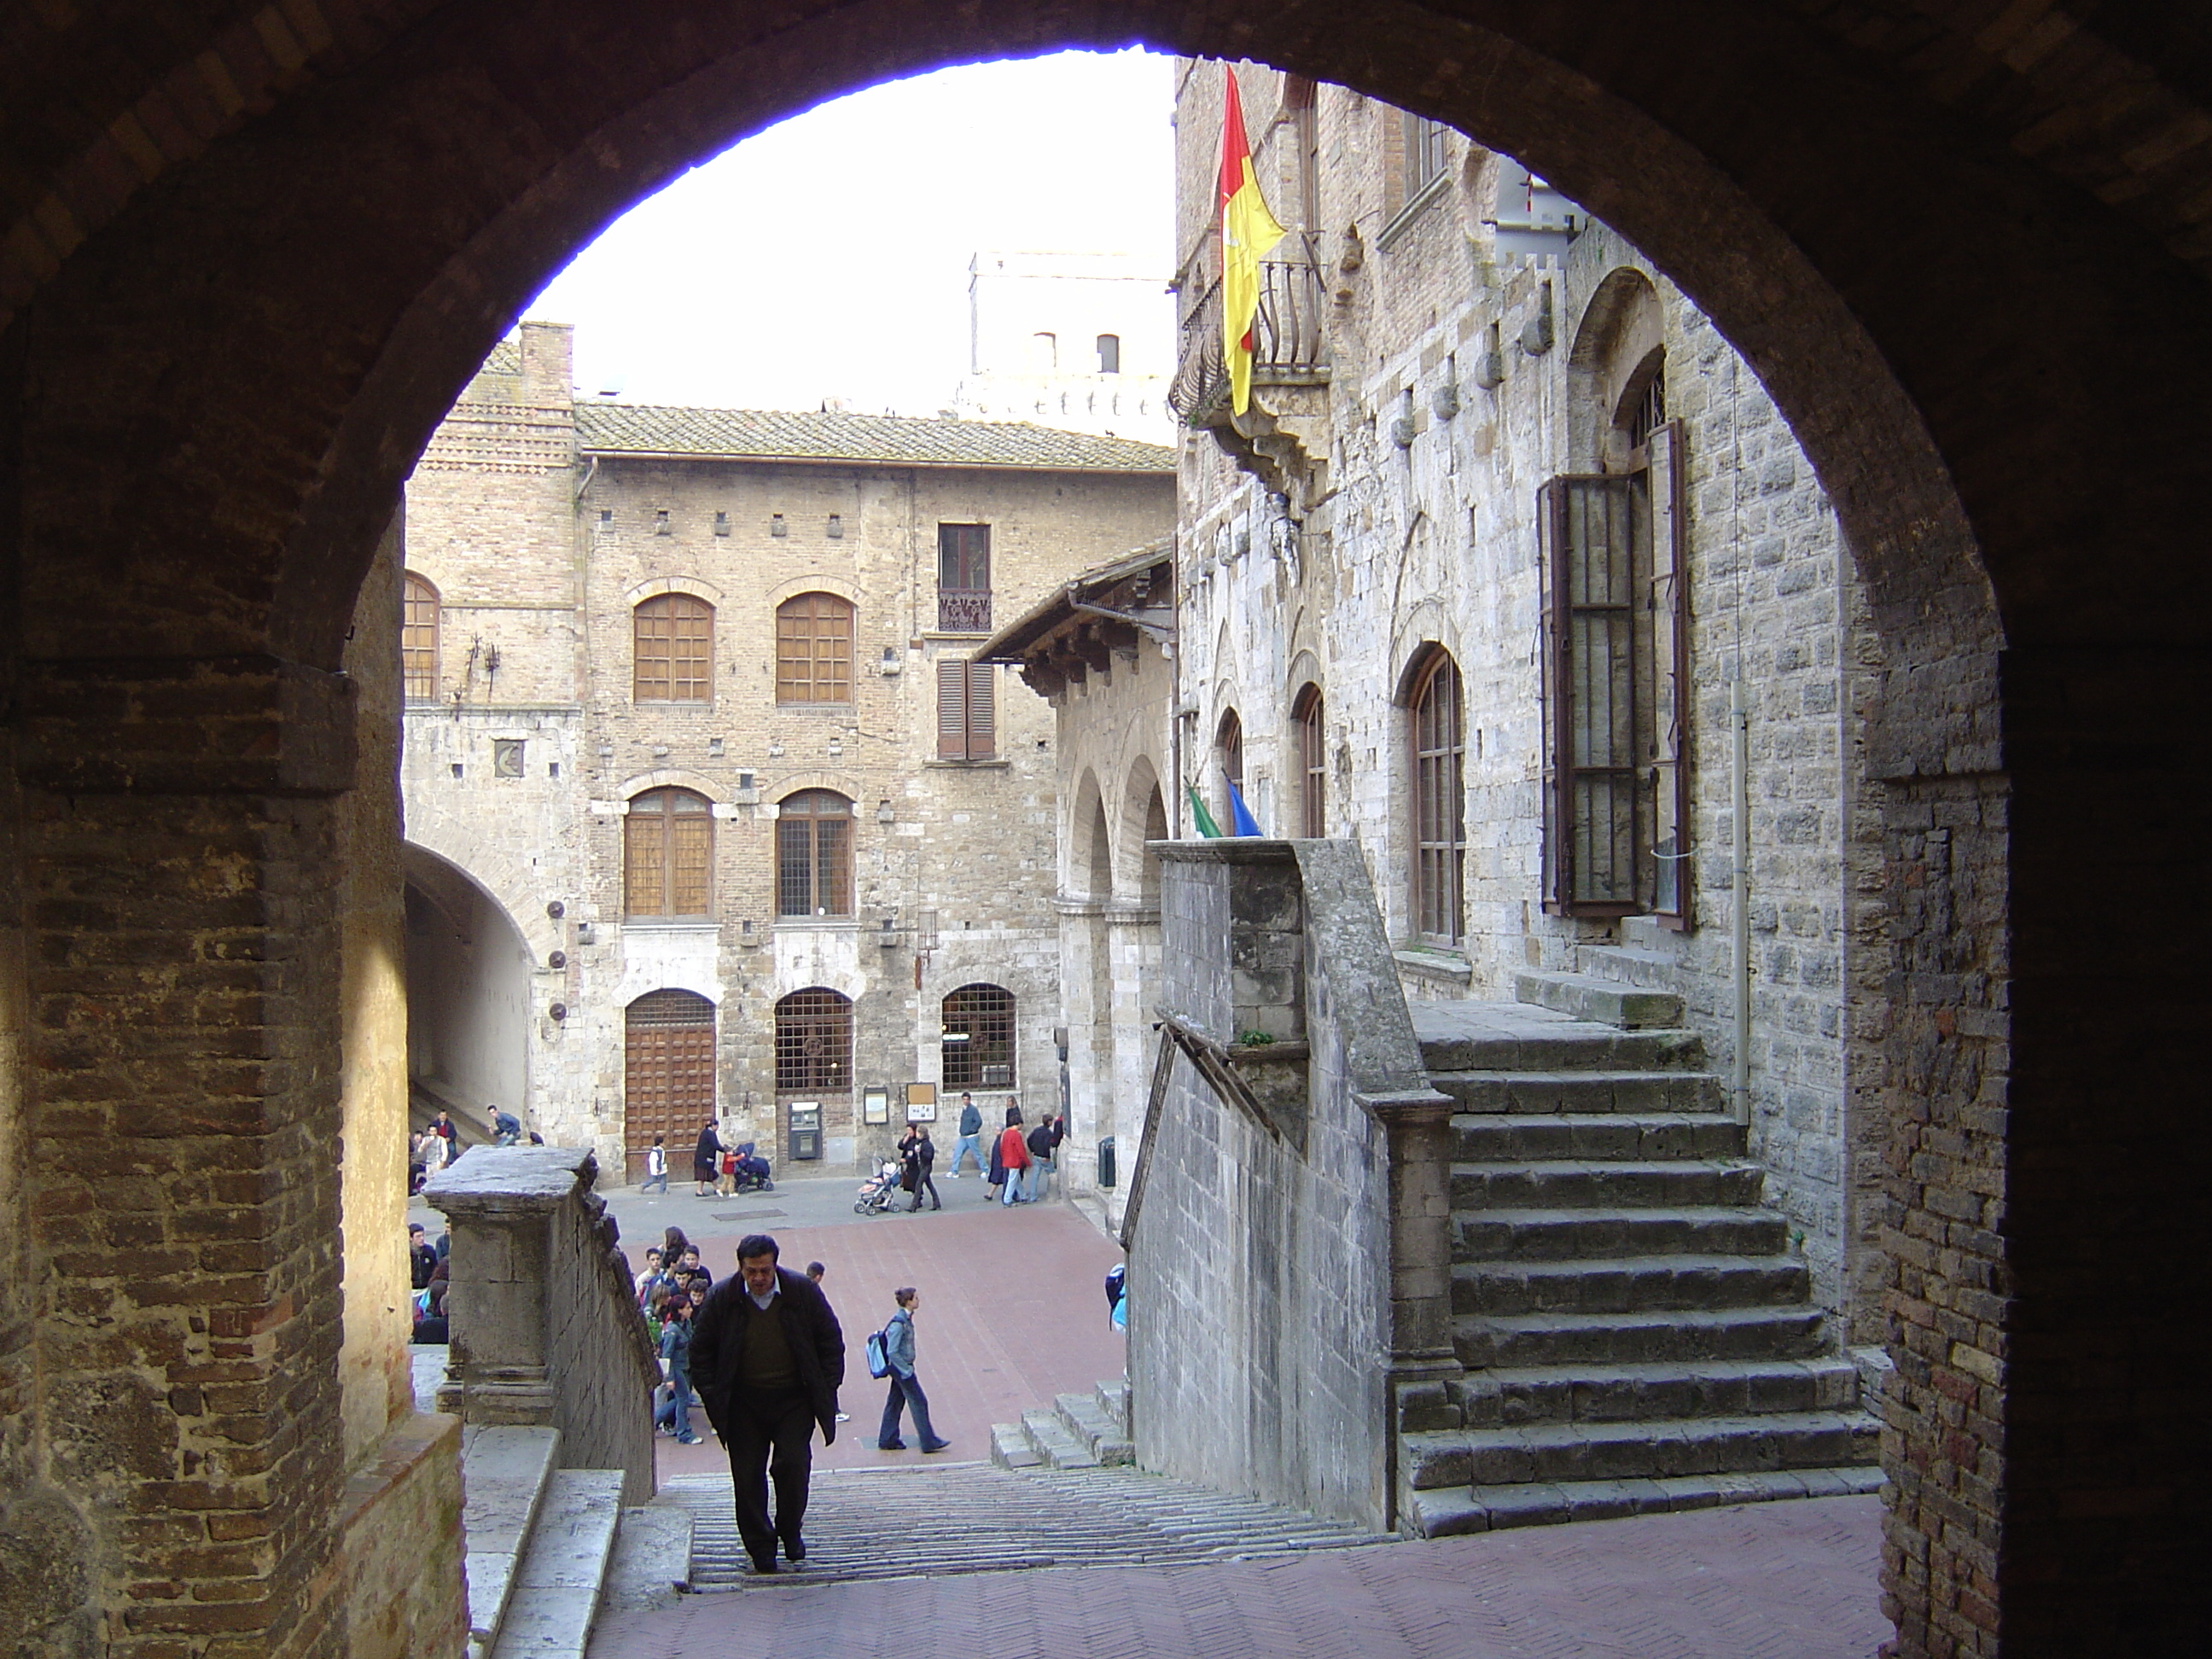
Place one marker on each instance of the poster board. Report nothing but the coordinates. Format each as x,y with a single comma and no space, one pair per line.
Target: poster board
921,1103
875,1105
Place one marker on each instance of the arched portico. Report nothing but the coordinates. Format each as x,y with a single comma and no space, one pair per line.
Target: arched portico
469,1013
1974,288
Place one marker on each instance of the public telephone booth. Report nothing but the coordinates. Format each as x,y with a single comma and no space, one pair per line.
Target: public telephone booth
805,1130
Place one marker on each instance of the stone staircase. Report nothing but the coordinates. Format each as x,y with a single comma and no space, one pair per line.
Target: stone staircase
1636,1331
1076,1431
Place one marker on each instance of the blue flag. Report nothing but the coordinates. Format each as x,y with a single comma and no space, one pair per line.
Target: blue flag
1241,821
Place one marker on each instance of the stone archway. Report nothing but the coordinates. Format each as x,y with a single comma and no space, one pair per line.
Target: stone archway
469,1013
249,269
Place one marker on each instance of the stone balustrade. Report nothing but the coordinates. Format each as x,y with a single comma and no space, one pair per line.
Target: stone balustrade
546,1328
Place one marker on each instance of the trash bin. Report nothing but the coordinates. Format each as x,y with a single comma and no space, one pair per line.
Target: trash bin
1106,1162
805,1132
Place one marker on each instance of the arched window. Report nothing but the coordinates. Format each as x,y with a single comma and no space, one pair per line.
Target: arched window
1229,751
674,658
418,640
1109,354
814,1043
668,854
979,1038
814,649
668,1077
1439,799
1313,762
814,854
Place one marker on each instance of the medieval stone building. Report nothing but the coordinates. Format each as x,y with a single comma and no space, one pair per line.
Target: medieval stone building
708,815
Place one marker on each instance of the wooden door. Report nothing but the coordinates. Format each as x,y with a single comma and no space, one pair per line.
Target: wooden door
668,1081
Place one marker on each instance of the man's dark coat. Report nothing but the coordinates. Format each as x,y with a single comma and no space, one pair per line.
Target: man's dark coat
817,1342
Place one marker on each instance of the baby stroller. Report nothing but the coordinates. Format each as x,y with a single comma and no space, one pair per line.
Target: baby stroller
750,1173
877,1191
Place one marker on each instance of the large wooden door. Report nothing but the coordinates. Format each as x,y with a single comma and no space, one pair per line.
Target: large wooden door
668,1083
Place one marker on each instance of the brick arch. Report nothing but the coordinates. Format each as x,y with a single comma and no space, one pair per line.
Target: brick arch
259,256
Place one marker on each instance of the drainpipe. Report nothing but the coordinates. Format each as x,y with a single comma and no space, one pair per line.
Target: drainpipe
1740,732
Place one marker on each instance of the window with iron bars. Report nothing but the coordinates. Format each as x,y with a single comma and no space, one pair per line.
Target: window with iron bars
814,854
978,1022
814,1043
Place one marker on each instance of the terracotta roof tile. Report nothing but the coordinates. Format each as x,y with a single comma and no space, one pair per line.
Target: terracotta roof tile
615,428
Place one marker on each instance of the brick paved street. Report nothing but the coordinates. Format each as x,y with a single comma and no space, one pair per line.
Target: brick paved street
1767,1581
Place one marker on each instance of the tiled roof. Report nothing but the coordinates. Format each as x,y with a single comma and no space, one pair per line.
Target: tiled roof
506,359
616,428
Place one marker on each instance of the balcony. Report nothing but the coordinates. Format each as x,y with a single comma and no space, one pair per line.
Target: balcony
964,610
1280,435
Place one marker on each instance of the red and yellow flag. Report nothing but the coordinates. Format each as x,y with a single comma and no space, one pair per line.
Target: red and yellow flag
1248,234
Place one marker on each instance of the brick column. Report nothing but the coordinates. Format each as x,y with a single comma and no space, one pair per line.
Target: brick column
178,828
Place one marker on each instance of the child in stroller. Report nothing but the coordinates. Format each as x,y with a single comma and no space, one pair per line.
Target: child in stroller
750,1171
877,1190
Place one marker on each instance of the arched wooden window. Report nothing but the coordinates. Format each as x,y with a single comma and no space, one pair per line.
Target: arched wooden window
1439,799
814,649
814,854
1313,762
814,1043
668,1077
418,640
1228,750
674,658
979,1037
668,848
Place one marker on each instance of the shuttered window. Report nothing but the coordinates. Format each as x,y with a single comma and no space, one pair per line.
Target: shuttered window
814,649
967,710
1439,801
1615,662
673,659
418,641
1313,764
668,853
814,854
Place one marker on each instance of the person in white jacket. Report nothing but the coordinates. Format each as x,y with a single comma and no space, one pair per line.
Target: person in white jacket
656,1168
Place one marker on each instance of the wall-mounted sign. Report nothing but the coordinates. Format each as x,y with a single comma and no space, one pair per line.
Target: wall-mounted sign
921,1103
875,1105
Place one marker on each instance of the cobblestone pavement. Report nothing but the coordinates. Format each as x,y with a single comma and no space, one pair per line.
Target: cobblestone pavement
1767,1581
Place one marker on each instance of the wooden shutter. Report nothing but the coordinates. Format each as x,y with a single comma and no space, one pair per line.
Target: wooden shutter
645,864
418,641
814,649
982,711
951,708
690,856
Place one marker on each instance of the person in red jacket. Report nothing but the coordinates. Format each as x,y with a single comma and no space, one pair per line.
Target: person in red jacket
1014,1155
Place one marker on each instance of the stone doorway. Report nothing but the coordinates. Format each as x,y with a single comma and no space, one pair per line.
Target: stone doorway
668,1076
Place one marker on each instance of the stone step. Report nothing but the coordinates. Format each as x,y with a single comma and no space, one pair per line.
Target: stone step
1553,1092
1099,1434
1010,1448
1518,1340
1508,1036
1600,1002
1113,1397
1643,1394
1457,1510
1572,1450
1562,1184
1607,1234
563,1569
651,1558
1055,1443
1644,1137
505,1472
1649,970
1638,1285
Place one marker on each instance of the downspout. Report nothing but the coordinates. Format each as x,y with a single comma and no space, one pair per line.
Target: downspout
1740,733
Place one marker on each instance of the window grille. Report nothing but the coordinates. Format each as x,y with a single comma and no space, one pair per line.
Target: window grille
1439,801
814,854
1650,411
814,1043
814,649
418,641
967,710
1313,764
978,1024
964,578
674,655
668,854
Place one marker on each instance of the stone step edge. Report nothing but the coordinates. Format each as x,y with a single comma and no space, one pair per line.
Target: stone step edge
1010,1448
1455,1511
1090,1426
563,1571
1440,1458
1601,1001
1424,1407
1053,1441
652,1556
489,1572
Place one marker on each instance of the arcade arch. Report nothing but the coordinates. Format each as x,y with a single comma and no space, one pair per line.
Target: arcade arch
469,1013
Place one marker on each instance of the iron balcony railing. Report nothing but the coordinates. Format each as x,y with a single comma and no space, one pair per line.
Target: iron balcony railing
1288,342
964,610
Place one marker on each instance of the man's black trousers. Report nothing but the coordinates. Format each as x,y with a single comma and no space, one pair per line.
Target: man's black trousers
769,1435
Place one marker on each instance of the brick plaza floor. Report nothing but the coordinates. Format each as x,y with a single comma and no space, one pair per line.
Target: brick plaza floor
1763,1581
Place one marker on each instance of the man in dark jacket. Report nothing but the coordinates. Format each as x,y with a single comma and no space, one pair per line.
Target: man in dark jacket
767,1358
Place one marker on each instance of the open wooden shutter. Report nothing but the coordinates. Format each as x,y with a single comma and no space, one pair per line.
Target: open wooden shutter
951,708
982,711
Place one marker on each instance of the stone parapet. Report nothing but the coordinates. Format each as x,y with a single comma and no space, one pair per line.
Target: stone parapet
545,1327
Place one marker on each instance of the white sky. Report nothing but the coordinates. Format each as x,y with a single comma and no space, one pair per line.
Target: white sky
768,278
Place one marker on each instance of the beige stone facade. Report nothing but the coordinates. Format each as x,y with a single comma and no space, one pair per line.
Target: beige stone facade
556,773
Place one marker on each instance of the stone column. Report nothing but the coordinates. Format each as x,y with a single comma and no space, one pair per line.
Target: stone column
1418,1125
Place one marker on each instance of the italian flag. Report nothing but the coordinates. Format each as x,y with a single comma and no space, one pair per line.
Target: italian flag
1248,234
